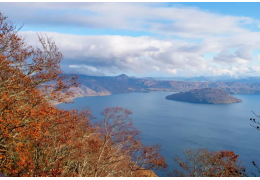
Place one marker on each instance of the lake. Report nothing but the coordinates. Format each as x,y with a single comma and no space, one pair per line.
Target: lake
179,125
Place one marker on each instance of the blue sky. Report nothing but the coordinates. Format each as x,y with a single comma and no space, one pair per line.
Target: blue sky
147,39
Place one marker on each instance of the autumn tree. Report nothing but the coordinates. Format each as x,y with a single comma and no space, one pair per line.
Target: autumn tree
26,74
204,163
122,147
75,147
41,63
28,77
37,139
110,148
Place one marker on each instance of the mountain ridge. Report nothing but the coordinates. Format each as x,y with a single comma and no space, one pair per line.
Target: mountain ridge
107,85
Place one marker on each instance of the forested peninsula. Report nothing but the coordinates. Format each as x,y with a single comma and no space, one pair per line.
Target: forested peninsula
205,96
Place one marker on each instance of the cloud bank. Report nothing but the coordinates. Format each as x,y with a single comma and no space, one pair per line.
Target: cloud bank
168,41
188,22
140,55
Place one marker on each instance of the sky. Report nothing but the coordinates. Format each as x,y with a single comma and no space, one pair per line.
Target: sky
147,39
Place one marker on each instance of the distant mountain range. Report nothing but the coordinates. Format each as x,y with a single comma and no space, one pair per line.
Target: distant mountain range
106,85
209,79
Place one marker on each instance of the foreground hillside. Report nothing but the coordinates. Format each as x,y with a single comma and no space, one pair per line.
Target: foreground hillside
205,96
37,139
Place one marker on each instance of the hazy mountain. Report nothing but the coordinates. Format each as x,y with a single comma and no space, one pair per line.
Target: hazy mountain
106,85
255,79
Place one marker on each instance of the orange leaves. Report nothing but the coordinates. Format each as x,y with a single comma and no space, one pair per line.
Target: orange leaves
121,146
228,154
4,96
184,166
201,162
37,139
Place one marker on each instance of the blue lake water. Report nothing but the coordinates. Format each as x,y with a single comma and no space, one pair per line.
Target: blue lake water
179,125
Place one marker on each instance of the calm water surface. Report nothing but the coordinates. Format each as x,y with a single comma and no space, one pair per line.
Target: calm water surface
179,125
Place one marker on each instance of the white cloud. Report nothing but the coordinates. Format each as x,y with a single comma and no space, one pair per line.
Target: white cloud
227,57
142,55
178,21
91,68
256,68
156,68
114,54
231,71
171,71
223,35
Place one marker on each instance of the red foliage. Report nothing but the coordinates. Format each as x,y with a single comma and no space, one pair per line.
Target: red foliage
204,163
37,139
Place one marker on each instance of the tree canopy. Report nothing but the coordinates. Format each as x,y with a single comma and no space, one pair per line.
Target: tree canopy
38,139
204,163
